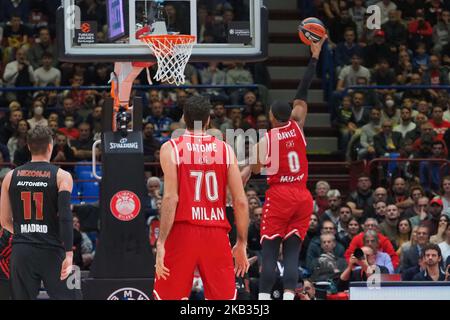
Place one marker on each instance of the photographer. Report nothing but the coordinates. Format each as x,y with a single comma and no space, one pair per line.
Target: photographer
361,266
305,291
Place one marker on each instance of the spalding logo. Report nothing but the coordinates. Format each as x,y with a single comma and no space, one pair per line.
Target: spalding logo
125,205
128,294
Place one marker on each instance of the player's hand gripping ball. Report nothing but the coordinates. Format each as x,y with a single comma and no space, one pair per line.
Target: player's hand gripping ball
311,30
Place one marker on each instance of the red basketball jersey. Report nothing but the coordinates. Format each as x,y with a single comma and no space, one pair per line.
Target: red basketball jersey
202,162
287,161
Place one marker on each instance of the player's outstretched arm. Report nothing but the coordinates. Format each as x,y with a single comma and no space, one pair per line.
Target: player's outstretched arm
241,216
168,206
65,185
300,106
5,205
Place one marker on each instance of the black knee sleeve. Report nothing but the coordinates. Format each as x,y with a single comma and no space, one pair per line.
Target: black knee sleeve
291,252
270,251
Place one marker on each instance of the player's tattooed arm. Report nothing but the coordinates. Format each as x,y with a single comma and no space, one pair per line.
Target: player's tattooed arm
5,205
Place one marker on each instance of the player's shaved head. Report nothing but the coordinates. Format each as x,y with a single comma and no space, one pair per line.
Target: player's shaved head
281,111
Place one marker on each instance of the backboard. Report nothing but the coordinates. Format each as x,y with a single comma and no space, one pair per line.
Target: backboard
225,30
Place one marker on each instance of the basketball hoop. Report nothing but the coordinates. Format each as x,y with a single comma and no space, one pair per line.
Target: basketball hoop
172,53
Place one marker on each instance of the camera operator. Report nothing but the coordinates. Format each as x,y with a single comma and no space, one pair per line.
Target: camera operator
362,264
305,291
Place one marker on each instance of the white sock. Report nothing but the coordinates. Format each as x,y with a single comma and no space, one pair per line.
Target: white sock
264,296
287,295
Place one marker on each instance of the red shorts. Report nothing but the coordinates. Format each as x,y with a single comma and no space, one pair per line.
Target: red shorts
287,211
207,248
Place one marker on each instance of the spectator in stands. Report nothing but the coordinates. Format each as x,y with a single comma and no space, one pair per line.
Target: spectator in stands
314,248
386,6
371,240
390,111
439,237
389,225
19,73
212,75
416,192
334,203
82,147
399,194
378,50
42,46
87,248
47,74
153,195
321,199
380,208
94,118
435,74
18,139
345,214
254,237
360,112
419,30
345,50
387,141
238,75
361,198
430,172
353,229
332,9
433,10
69,109
37,111
417,94
384,244
445,194
441,32
253,202
394,29
406,124
383,74
160,122
404,233
176,112
432,260
440,125
150,143
9,126
349,74
422,204
69,128
313,231
62,152
345,121
15,37
360,269
410,256
445,244
338,26
220,29
357,12
368,132
327,265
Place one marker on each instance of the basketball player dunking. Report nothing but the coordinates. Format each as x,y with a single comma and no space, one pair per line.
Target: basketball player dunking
35,207
198,168
289,205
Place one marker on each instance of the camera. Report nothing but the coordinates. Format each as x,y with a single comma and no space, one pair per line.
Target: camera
123,118
359,254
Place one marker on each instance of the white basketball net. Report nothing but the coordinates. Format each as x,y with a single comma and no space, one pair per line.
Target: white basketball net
172,53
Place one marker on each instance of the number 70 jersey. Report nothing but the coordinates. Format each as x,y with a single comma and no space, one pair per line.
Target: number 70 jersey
286,156
202,164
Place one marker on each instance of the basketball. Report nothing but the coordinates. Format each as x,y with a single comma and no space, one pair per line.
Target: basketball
311,29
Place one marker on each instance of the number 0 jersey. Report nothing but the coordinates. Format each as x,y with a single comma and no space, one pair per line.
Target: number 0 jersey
202,164
33,194
287,161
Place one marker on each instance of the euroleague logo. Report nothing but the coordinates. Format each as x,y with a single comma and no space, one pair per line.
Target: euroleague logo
128,294
125,205
86,27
